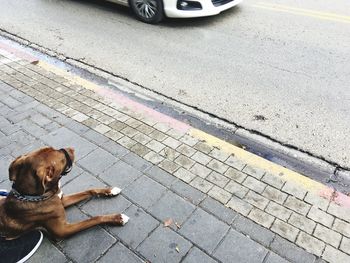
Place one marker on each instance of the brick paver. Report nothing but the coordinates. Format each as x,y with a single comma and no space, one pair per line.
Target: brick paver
239,248
225,210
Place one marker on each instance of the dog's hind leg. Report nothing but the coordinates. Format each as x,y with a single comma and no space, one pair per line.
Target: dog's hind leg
78,197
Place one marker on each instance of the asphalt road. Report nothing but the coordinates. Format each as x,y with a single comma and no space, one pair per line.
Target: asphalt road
287,62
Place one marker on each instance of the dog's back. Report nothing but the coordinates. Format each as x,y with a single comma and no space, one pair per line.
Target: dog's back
17,217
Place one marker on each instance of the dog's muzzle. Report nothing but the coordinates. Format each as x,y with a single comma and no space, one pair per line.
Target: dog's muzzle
69,162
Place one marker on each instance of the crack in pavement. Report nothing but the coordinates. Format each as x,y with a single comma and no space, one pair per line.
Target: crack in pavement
285,70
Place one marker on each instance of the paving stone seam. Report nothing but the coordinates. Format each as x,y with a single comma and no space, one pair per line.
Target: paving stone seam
115,244
135,250
267,256
194,246
187,253
56,245
222,239
279,252
301,232
215,215
119,240
106,251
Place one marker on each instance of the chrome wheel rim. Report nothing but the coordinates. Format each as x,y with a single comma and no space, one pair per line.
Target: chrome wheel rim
146,8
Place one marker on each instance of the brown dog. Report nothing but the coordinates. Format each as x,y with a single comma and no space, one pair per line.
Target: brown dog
36,200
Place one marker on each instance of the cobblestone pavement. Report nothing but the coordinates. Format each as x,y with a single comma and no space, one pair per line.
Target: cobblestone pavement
226,205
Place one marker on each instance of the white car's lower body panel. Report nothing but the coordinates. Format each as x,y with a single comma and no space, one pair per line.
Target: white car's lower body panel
208,9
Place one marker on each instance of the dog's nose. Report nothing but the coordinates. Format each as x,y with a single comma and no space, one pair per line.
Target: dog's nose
70,151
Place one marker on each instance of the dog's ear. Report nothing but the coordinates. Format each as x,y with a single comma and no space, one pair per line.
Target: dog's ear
47,175
15,168
22,174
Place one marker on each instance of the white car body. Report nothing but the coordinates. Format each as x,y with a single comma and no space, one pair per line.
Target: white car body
208,8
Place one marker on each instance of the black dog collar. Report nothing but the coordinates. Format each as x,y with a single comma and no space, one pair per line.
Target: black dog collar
30,198
69,162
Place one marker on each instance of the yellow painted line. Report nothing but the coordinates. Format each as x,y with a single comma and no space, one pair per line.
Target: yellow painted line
307,10
304,12
69,76
257,161
241,154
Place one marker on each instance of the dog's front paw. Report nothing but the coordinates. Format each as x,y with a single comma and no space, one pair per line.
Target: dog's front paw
118,219
115,191
125,219
112,191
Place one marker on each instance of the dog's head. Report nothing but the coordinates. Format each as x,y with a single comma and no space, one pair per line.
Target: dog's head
39,171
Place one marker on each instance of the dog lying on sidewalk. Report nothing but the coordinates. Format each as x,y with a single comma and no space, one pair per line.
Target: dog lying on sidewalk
36,200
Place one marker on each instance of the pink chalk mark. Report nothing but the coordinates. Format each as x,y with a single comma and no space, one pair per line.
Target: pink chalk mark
146,111
175,124
336,197
18,53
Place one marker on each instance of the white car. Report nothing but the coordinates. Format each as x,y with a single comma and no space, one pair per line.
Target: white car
153,11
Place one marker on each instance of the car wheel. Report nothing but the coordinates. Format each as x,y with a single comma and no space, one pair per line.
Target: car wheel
149,11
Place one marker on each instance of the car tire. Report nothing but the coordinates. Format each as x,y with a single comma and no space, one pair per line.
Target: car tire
148,11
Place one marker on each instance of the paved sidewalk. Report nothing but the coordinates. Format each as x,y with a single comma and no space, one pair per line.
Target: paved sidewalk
226,204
